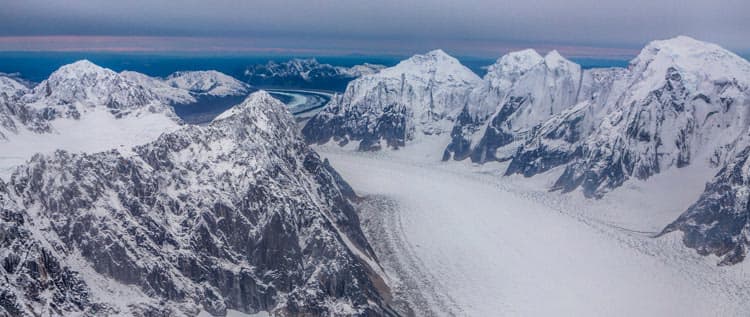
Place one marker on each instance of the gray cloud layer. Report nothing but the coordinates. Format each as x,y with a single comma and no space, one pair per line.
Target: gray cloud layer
573,22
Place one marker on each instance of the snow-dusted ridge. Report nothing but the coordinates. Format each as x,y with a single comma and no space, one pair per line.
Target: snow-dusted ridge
81,107
307,73
184,87
88,108
211,83
238,215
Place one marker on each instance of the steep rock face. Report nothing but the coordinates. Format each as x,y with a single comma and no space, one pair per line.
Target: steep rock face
420,96
521,90
557,141
718,222
237,215
307,73
685,102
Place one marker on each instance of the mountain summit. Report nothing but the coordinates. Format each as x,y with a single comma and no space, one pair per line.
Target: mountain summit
419,96
238,215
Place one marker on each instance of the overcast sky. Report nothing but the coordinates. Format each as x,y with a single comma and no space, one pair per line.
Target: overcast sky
387,26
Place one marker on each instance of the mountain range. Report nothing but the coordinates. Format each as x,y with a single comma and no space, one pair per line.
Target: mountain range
680,102
111,205
238,215
306,73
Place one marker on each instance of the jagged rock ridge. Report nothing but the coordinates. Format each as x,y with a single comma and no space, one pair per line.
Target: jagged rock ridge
240,214
307,73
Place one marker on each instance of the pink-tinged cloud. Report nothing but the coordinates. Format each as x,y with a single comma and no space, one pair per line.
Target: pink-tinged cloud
132,44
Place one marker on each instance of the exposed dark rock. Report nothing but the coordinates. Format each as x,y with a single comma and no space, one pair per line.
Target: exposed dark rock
238,215
718,222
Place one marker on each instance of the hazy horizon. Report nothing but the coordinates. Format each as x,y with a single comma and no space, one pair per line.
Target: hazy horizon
481,28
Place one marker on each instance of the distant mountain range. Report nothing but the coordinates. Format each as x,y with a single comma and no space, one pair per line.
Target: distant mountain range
306,73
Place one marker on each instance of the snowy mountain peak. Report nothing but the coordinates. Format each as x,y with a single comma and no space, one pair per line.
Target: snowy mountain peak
516,62
438,53
697,61
554,60
255,105
434,65
78,69
83,86
419,96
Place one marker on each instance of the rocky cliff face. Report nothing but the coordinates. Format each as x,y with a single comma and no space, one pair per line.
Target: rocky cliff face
684,103
556,141
240,215
718,222
521,90
420,96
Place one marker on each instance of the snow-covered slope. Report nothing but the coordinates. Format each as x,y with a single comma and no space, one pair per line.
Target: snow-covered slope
463,241
307,73
81,107
685,102
83,87
238,215
210,83
420,96
521,90
168,94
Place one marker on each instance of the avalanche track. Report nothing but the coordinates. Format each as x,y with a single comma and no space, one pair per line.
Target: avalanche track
457,241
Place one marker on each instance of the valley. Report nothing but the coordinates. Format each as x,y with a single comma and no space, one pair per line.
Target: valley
457,239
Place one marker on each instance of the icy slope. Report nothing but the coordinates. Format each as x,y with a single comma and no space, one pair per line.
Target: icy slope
238,215
464,243
419,96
